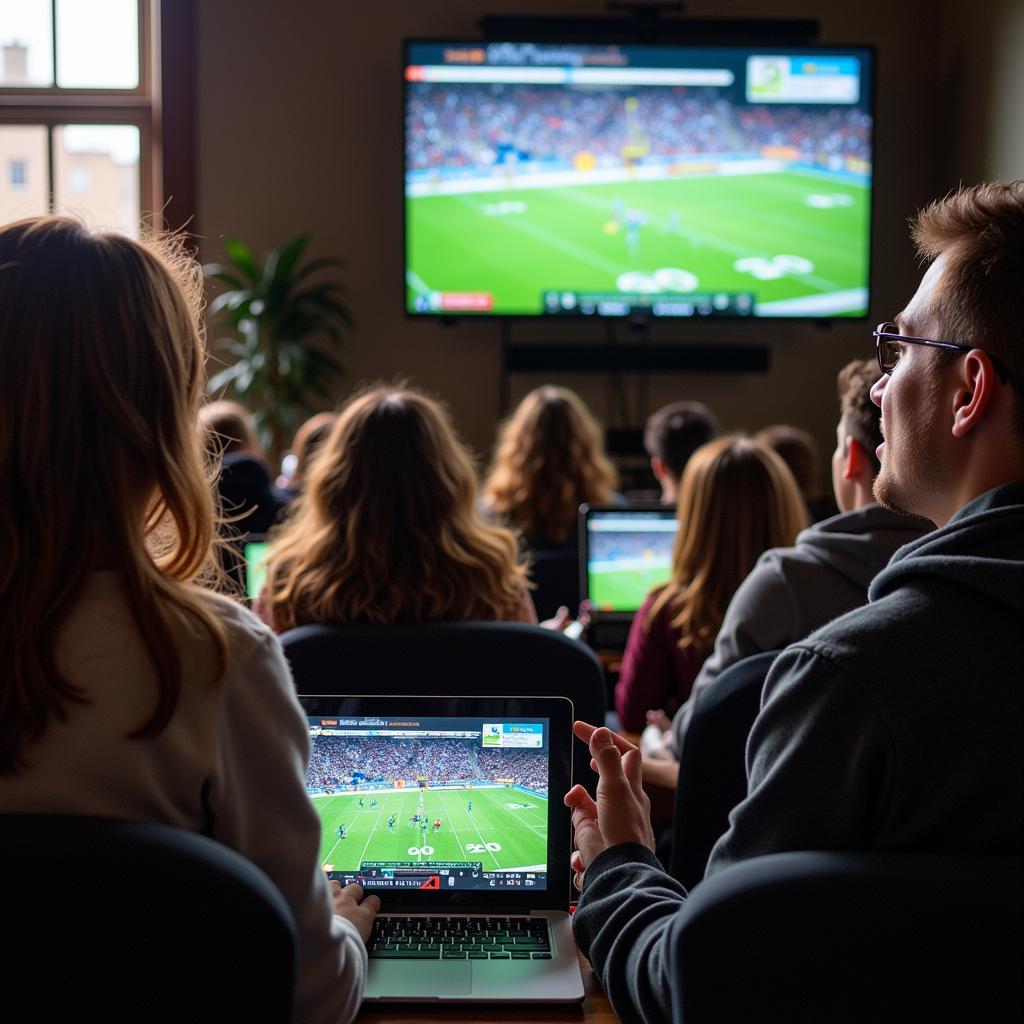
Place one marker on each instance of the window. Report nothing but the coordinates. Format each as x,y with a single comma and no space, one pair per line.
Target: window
78,89
18,178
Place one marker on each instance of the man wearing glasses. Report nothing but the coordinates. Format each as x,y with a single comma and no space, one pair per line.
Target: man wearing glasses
897,726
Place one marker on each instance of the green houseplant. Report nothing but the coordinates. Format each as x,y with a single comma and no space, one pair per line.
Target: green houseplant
282,315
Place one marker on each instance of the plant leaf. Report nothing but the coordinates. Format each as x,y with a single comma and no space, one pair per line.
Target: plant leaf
241,256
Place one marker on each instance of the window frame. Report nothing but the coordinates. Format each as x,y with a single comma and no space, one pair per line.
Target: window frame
53,106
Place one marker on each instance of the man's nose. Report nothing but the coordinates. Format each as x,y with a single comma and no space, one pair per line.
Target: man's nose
877,388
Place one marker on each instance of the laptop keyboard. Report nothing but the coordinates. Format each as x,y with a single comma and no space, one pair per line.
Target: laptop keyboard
460,938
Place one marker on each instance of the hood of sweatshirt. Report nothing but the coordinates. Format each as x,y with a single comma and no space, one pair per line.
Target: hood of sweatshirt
858,545
980,548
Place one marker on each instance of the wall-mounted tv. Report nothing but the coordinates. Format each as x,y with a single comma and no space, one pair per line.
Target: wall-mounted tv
547,179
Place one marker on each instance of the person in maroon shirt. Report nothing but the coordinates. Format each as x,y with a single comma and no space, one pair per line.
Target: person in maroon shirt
737,498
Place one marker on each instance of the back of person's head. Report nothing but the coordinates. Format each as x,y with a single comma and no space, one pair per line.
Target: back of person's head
101,377
550,459
798,449
676,431
737,499
387,528
230,427
980,230
860,418
309,439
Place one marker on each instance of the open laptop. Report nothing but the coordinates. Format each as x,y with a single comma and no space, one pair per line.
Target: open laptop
624,552
450,809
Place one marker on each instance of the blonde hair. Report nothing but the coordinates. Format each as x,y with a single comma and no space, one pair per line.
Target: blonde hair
737,499
387,528
549,459
101,377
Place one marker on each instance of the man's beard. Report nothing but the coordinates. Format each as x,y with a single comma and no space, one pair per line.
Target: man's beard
912,470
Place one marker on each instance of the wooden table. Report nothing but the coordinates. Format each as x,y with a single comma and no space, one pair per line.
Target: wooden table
593,1010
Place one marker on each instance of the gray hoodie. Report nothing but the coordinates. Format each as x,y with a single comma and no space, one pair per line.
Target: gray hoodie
791,592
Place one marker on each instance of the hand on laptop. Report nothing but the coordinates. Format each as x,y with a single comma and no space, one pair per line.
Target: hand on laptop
350,903
622,813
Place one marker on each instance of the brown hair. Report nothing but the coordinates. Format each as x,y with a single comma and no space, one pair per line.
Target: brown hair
981,231
309,439
549,459
861,418
387,528
798,450
737,499
101,376
230,425
676,431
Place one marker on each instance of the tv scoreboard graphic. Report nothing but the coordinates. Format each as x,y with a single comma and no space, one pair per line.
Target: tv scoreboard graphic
436,876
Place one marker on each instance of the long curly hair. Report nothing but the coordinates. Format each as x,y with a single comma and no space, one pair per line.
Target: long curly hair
737,499
101,377
549,459
387,529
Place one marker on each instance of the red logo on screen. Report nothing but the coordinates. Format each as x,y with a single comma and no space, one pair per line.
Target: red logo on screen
414,73
434,882
467,300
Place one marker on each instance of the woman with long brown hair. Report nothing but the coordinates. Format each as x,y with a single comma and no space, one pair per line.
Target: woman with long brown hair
737,498
126,689
549,460
387,528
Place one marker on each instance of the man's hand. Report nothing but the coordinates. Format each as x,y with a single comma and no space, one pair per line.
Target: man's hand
622,811
351,904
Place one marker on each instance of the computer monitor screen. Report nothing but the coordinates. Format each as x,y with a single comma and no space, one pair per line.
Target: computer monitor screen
669,181
432,803
628,553
256,555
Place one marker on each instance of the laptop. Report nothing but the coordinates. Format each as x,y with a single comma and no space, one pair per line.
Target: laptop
450,809
625,551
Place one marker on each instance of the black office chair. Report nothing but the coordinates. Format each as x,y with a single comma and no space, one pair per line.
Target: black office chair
712,765
555,573
457,658
123,921
847,938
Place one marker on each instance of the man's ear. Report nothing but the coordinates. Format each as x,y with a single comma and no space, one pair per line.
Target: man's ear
975,393
855,461
658,467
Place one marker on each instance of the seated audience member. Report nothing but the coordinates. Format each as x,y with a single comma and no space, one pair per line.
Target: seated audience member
798,449
387,529
793,591
244,484
309,439
736,499
671,436
898,725
128,690
550,459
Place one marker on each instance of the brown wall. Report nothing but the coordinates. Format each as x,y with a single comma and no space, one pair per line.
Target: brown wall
300,129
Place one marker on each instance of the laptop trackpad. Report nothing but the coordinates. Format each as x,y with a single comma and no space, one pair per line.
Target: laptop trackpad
396,979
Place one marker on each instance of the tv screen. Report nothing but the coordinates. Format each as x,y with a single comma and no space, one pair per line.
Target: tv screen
669,181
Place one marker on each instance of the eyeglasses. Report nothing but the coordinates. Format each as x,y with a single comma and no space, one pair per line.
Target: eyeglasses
887,346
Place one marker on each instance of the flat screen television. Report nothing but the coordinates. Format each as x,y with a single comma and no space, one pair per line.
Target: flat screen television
609,181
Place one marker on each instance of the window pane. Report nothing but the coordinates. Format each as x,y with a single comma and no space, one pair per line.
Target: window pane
23,187
26,40
96,172
98,44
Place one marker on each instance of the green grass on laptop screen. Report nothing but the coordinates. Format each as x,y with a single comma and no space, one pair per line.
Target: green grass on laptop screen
629,554
432,793
255,568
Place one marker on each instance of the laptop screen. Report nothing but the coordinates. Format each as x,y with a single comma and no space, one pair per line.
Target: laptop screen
628,551
256,552
432,804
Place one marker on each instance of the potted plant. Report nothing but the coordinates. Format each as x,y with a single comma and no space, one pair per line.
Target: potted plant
279,320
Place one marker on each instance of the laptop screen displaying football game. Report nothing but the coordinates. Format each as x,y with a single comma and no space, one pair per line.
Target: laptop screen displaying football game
629,551
432,803
604,180
256,554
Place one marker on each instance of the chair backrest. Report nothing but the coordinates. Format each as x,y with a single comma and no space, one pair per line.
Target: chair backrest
555,573
852,937
712,764
127,921
457,658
